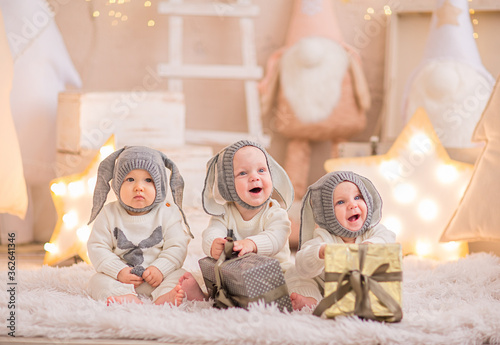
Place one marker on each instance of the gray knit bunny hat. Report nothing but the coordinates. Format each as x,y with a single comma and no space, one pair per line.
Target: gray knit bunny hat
117,165
222,165
317,205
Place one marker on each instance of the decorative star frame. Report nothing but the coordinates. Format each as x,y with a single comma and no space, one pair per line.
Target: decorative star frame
72,196
420,188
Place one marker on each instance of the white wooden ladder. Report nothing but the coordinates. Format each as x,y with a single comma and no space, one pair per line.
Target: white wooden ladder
249,72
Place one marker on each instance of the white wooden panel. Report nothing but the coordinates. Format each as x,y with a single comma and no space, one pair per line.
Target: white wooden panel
223,138
210,71
175,26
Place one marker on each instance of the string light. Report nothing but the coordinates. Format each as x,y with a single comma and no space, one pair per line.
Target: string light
83,233
77,188
58,189
117,12
421,143
446,173
50,247
390,169
428,209
405,193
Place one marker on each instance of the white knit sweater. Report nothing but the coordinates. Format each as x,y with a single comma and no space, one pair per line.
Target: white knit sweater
167,256
269,230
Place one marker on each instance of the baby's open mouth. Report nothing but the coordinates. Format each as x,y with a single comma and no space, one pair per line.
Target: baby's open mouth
354,218
255,190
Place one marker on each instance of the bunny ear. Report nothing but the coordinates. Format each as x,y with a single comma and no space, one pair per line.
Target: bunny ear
281,182
306,220
376,201
208,199
176,186
101,190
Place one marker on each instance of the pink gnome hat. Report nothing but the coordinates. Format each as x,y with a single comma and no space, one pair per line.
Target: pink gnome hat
312,18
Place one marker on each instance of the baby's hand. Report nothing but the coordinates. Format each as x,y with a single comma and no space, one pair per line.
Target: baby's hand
217,247
152,276
322,251
126,277
244,246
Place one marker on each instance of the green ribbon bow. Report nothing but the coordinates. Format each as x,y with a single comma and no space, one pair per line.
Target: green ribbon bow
362,284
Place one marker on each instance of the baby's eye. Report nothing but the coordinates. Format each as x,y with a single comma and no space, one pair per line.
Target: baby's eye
241,173
358,197
149,180
340,202
261,170
130,179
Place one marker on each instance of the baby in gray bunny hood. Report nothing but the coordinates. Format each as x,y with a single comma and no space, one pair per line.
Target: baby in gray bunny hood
138,243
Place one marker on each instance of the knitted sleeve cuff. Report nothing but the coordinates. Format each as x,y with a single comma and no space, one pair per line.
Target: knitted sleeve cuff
207,244
263,244
308,263
165,266
112,268
215,229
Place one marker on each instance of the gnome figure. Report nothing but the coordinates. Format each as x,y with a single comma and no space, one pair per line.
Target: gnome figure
450,83
318,85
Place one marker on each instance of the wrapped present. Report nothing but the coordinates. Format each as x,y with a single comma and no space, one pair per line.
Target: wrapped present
363,280
241,280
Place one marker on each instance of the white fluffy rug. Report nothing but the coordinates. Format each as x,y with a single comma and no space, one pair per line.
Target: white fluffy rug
443,303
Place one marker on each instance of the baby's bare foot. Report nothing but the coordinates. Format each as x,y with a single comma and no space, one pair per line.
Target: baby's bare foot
174,296
191,287
123,299
299,301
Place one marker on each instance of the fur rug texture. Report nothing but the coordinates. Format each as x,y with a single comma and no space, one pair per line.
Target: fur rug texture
443,303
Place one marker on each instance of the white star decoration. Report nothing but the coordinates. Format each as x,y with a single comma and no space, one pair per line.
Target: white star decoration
448,14
72,196
420,187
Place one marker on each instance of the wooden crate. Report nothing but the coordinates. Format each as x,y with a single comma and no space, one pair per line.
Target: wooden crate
85,120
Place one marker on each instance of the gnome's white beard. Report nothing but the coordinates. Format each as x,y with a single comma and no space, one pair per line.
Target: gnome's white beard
454,96
311,77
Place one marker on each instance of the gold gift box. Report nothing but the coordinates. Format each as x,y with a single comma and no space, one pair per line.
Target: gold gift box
380,270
